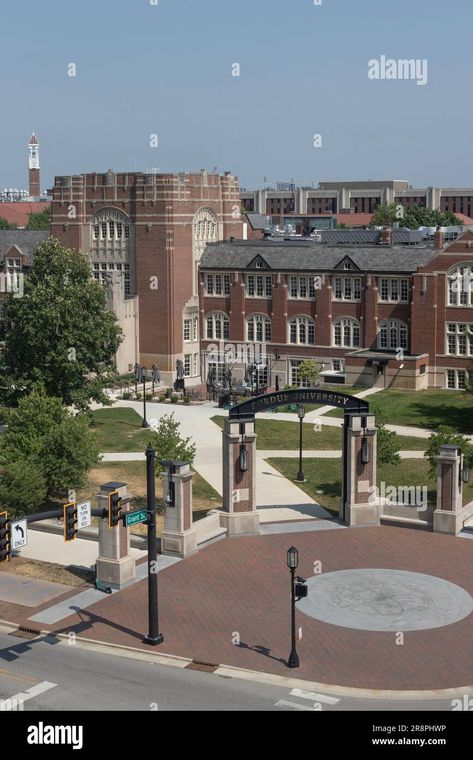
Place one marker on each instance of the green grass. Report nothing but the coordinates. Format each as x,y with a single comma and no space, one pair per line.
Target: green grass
325,476
427,409
274,434
119,430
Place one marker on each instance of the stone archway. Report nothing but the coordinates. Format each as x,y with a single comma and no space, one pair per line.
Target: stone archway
358,506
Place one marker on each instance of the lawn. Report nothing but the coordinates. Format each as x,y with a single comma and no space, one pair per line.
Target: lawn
134,474
119,430
427,409
274,434
324,478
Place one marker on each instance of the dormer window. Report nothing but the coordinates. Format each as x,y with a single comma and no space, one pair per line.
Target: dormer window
259,265
346,265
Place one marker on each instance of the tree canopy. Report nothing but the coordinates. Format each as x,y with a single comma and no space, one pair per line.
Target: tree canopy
413,218
59,333
40,220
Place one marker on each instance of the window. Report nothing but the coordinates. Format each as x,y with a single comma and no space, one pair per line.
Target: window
195,365
301,287
302,331
393,289
187,365
456,379
258,328
259,285
217,284
187,330
346,333
338,365
347,288
96,231
459,339
219,369
13,273
195,329
392,335
218,327
295,380
100,270
108,247
460,290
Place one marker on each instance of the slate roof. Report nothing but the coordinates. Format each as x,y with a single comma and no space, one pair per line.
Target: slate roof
354,237
308,256
258,221
25,240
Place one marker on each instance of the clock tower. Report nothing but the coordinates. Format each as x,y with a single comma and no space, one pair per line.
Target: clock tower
33,166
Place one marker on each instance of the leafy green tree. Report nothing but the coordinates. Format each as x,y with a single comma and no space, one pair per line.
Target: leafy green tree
413,218
60,332
387,443
384,215
49,446
169,444
309,371
39,221
446,434
5,225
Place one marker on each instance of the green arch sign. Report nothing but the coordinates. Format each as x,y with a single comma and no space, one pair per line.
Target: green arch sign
250,407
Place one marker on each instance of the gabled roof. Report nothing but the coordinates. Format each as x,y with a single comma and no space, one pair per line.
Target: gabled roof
24,240
306,256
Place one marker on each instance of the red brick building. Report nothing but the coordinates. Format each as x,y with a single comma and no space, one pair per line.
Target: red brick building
152,228
371,313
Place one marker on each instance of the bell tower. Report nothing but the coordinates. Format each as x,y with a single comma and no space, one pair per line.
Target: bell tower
33,166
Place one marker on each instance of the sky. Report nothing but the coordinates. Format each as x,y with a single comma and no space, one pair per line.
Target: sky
166,68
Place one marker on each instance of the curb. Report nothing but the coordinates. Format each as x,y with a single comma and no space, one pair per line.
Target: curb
257,676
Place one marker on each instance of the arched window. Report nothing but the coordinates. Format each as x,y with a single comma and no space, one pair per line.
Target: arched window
302,331
204,230
112,247
258,328
218,326
346,333
460,285
392,334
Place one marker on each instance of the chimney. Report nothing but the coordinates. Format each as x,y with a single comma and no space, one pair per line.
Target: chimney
439,239
386,236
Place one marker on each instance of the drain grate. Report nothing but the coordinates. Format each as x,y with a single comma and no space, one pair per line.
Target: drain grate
204,667
25,633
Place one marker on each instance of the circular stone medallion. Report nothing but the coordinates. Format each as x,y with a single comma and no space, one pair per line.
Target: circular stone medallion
385,600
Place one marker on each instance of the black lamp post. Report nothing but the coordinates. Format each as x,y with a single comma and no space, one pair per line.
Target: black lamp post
292,563
301,414
143,377
136,371
154,636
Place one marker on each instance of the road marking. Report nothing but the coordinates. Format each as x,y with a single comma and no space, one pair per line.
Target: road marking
295,705
314,696
14,677
35,691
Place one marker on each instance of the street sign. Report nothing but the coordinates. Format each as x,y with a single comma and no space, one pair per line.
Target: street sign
83,515
133,518
19,534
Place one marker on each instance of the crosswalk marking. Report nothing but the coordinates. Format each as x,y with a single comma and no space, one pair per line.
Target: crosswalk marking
35,691
314,696
295,705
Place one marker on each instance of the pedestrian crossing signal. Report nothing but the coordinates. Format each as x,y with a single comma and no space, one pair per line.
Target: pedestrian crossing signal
70,521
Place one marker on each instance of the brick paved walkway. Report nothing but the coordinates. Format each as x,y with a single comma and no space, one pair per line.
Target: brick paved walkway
241,585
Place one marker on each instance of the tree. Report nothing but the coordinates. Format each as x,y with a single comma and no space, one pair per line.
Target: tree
384,215
39,221
5,225
309,371
169,444
60,332
413,218
446,434
45,450
387,444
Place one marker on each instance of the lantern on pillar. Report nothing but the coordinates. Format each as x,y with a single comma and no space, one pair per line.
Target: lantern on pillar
243,458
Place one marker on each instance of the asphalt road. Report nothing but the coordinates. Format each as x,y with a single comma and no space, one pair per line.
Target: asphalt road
49,675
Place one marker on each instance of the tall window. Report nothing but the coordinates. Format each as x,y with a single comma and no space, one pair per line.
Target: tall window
205,230
302,331
187,365
259,285
459,339
347,288
195,329
13,273
112,247
460,285
187,330
295,379
258,328
392,334
393,289
218,327
346,333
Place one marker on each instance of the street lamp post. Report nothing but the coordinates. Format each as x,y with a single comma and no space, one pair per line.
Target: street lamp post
292,563
301,414
145,423
154,636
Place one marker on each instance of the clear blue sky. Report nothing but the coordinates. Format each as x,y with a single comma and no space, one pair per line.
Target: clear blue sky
167,69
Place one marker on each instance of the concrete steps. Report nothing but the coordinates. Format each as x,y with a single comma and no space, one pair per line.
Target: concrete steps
406,522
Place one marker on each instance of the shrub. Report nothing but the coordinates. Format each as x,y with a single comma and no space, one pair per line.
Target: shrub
174,399
126,395
162,398
187,400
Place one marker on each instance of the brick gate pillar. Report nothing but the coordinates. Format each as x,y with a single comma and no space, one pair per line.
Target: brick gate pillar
449,514
115,566
359,500
239,513
179,536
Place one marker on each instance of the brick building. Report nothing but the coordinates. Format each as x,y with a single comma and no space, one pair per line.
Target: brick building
152,229
378,313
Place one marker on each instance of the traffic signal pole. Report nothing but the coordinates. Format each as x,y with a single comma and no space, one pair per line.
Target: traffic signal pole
153,637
